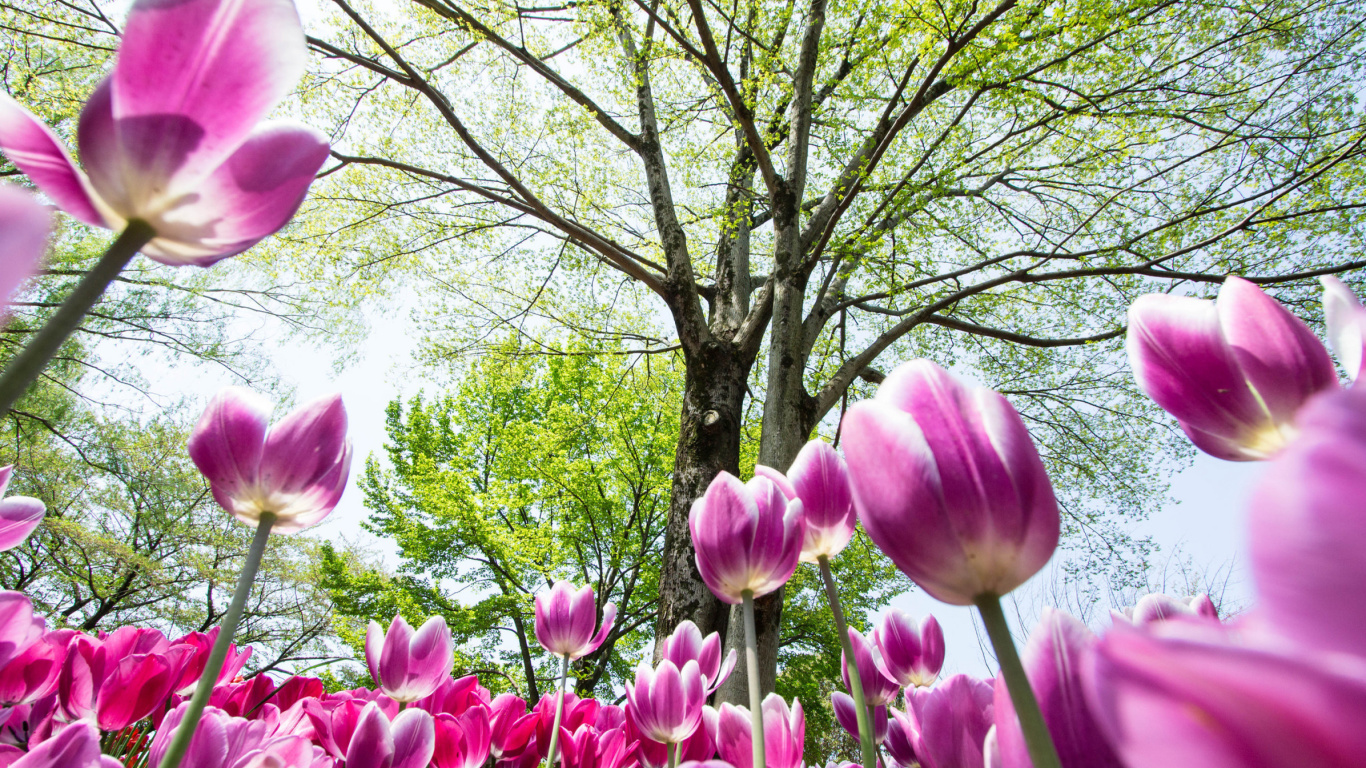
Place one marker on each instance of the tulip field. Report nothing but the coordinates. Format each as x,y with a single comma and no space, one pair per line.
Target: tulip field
1011,265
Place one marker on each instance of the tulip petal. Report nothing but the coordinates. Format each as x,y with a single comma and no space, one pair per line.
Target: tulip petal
36,150
75,746
1280,357
220,65
414,739
1346,323
226,443
19,515
24,227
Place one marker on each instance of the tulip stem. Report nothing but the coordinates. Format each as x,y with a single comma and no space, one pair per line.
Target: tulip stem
756,696
1040,743
865,723
24,368
559,713
180,740
673,755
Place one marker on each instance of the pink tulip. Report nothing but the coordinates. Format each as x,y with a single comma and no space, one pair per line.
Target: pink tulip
948,484
577,712
565,619
19,628
511,727
224,741
666,702
846,714
19,515
1345,319
407,742
589,748
821,480
462,741
24,227
1158,607
911,653
202,644
687,644
747,536
1058,650
174,136
1233,372
879,688
654,754
297,470
903,734
1307,531
33,673
1178,694
948,724
455,696
77,746
784,734
409,666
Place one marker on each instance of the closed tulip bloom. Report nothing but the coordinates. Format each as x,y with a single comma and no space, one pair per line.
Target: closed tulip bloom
1307,531
76,746
295,470
1159,607
589,748
701,745
847,716
33,673
1054,659
747,537
879,688
19,628
903,735
1173,695
511,726
949,485
462,741
221,740
174,136
687,644
409,666
19,515
24,227
784,734
1233,371
950,722
565,619
407,742
821,480
1345,320
912,653
666,702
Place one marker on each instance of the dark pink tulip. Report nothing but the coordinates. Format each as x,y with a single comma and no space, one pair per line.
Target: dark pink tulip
462,741
747,536
577,712
565,619
879,688
903,735
846,715
821,480
589,748
687,644
1057,652
19,628
408,742
511,726
221,740
1178,694
32,674
297,470
1233,371
911,653
455,696
1158,607
948,724
174,136
334,722
666,702
706,764
136,686
1346,323
949,485
24,227
1307,530
653,754
19,515
201,644
409,665
77,746
239,699
784,734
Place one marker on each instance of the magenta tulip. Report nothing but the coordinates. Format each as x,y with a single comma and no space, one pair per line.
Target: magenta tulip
77,746
903,734
221,740
33,673
19,628
455,696
847,716
1176,694
24,227
407,742
1158,607
821,480
587,747
1345,319
747,537
1307,531
510,726
296,470
687,644
784,734
174,136
1057,652
565,619
911,653
879,688
1233,371
701,745
201,644
666,702
409,666
462,741
19,515
948,484
949,723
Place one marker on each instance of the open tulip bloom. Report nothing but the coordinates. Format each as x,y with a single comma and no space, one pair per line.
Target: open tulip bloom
177,156
409,666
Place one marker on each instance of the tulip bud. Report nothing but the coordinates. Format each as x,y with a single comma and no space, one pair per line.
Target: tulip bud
19,515
879,687
296,470
784,734
565,620
912,654
1233,372
747,537
846,714
820,479
666,702
687,644
409,666
949,485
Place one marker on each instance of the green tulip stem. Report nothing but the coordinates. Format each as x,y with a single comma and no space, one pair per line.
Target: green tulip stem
559,714
865,724
1040,743
756,713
